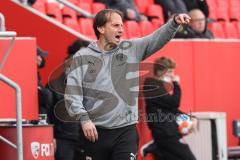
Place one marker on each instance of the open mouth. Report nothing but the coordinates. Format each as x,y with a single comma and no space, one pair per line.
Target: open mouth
118,37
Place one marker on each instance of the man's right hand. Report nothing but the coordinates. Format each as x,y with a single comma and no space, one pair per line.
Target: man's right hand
90,131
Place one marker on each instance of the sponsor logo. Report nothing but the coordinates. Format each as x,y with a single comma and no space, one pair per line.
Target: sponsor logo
42,149
35,148
133,156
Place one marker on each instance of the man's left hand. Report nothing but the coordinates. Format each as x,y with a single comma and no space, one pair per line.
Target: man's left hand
182,19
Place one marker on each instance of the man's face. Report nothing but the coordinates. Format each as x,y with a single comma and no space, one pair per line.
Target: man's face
39,60
198,22
112,31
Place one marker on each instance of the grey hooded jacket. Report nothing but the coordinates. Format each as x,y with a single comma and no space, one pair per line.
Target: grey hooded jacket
103,86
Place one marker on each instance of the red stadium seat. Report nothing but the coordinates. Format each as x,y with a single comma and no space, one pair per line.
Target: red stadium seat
146,27
212,8
133,30
74,1
155,11
96,7
86,27
212,3
217,30
72,23
212,13
84,6
238,28
230,30
90,2
53,10
234,3
222,3
234,14
157,23
68,12
40,6
222,13
143,4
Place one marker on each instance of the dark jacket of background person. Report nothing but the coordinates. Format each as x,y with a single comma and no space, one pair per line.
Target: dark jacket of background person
63,130
123,5
43,93
160,101
197,4
171,7
188,32
43,96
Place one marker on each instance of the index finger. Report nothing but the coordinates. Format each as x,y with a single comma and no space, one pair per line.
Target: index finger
95,133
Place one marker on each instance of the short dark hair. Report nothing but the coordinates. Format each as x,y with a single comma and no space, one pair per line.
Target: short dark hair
75,46
162,64
101,19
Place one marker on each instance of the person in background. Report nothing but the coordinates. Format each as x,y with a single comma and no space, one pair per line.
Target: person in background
197,4
162,96
66,134
171,7
197,28
43,93
127,7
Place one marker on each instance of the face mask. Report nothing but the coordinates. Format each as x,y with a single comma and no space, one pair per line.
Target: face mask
42,63
167,79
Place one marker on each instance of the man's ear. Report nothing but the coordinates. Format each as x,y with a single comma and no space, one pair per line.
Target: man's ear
100,29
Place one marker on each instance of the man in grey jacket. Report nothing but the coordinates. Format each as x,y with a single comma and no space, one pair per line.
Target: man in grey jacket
102,86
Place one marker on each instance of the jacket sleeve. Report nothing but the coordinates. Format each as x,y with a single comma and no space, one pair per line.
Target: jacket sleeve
74,93
146,46
172,101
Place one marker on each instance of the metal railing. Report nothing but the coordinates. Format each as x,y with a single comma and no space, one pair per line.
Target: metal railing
68,4
2,23
75,8
15,86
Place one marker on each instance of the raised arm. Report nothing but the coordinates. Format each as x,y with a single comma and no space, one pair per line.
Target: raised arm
146,46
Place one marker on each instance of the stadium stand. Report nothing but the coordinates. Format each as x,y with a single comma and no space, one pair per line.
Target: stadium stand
53,10
72,23
221,11
133,29
74,1
146,27
84,6
40,6
86,27
230,30
143,4
68,13
155,11
238,28
217,30
96,7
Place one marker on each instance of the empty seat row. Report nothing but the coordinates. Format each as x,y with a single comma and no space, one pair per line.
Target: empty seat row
223,3
225,30
56,9
224,9
132,29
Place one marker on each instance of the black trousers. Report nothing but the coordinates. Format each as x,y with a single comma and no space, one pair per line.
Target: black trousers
65,149
112,144
172,149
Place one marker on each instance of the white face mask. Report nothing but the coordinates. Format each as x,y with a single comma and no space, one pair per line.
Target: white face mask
167,79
